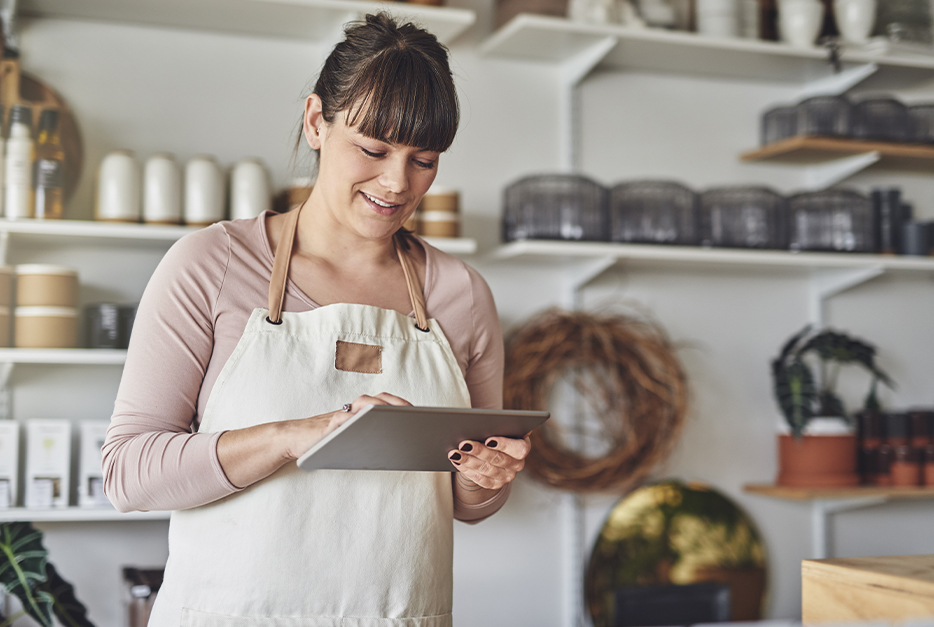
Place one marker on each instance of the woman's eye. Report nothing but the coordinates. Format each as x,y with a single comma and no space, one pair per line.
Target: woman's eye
370,153
425,164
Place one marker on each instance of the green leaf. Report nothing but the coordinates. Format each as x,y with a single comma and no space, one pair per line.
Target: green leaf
23,562
795,392
68,609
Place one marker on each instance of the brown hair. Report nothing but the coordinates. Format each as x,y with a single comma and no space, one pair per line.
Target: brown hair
394,83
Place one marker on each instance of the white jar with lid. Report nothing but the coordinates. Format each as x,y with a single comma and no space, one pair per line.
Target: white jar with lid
118,188
249,189
162,190
204,191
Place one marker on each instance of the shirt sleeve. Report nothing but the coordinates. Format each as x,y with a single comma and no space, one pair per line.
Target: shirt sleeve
152,458
484,380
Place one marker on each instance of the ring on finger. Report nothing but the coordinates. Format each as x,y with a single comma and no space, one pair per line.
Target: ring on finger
346,407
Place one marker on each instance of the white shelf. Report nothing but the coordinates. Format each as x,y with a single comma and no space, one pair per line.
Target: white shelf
310,20
557,41
55,230
76,514
454,245
567,253
79,356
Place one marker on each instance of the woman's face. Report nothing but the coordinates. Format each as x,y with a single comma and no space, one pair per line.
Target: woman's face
370,186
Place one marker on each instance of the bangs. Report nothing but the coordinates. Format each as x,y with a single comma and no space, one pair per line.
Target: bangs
403,98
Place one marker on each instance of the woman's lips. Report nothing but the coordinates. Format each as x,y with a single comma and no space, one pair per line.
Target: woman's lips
378,208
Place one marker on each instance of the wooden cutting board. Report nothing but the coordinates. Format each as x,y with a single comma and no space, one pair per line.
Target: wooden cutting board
867,588
19,88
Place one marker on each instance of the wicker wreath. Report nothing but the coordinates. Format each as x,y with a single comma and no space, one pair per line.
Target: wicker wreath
625,369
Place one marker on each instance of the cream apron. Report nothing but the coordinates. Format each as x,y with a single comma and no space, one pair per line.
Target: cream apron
328,548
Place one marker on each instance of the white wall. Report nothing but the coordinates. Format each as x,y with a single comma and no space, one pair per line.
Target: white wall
151,89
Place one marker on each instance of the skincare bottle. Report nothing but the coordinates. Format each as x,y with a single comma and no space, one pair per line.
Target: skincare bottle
19,157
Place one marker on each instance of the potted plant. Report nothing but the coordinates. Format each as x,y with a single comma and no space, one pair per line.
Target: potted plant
819,448
26,573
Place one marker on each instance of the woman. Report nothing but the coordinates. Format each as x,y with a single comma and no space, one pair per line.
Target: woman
236,346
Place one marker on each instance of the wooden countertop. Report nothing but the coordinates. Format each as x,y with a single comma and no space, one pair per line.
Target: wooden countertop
867,588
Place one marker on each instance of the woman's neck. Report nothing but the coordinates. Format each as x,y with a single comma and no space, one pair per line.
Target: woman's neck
321,235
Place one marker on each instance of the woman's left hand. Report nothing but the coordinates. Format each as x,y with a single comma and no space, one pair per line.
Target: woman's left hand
493,464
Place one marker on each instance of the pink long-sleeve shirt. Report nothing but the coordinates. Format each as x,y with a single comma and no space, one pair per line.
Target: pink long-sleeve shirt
191,317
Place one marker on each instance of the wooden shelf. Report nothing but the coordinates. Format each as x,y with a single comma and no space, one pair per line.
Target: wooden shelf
567,253
810,494
556,40
75,356
76,514
811,150
310,20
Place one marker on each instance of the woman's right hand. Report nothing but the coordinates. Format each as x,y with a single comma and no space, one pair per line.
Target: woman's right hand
317,428
251,454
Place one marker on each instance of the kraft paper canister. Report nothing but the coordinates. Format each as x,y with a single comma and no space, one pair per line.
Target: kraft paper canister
43,285
440,199
439,224
45,327
5,327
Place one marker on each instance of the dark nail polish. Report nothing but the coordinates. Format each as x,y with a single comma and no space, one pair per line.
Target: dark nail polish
467,447
491,444
456,457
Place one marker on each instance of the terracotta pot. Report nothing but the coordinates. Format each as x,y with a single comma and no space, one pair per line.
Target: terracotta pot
817,461
747,588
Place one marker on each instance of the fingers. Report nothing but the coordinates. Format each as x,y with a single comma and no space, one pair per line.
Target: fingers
518,449
383,398
491,465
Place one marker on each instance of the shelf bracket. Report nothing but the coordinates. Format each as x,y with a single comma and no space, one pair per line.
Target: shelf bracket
578,276
827,283
818,177
821,509
838,84
572,72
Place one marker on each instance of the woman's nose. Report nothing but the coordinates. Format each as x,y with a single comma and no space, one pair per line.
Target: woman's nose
395,178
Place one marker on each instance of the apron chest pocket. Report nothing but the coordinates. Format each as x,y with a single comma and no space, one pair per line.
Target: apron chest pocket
363,358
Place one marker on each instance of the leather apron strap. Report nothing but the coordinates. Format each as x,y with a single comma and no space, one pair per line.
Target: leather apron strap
283,257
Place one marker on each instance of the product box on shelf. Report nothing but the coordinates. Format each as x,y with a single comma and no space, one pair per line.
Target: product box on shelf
9,462
48,461
90,477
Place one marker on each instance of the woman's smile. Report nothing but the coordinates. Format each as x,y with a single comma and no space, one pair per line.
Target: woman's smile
380,206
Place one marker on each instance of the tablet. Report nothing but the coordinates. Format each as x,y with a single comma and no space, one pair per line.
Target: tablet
389,437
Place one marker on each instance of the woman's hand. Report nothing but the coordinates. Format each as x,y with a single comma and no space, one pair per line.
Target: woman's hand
493,464
251,454
317,428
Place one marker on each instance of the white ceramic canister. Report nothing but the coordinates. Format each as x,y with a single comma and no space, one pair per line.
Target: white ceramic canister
800,21
249,189
118,188
718,18
162,190
855,19
204,191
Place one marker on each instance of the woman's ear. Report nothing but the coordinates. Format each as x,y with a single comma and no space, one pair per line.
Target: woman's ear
313,122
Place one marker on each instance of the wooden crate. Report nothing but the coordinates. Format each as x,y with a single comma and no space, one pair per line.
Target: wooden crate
867,588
